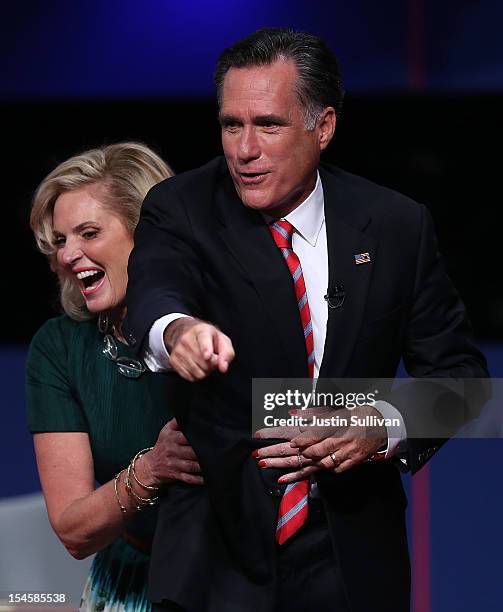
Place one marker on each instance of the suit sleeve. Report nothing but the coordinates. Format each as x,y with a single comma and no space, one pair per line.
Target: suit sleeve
164,270
439,344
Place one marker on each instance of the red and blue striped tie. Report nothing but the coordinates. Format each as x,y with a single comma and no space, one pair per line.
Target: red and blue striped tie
293,506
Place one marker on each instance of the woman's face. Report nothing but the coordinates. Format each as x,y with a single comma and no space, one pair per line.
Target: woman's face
93,247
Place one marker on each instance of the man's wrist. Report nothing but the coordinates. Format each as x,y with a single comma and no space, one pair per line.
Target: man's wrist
395,427
175,329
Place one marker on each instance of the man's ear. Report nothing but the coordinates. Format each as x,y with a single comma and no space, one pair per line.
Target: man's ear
326,126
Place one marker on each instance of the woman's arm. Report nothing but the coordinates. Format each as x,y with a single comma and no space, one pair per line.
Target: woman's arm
88,519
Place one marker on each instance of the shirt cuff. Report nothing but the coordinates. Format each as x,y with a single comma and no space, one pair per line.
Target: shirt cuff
156,356
397,433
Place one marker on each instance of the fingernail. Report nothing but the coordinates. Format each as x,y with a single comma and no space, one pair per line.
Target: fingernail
292,412
281,480
293,445
257,435
254,453
262,463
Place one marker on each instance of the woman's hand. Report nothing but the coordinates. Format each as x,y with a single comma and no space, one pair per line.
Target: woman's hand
88,519
334,447
282,455
171,459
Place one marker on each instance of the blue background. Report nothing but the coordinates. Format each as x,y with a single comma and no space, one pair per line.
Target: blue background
118,48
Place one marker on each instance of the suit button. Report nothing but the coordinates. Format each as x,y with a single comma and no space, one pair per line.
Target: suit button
131,340
276,491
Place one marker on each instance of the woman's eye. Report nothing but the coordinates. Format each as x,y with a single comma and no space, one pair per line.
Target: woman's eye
58,242
89,234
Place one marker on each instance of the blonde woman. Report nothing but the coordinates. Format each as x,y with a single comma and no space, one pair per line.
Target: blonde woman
94,410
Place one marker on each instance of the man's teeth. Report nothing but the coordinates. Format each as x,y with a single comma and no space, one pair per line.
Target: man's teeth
87,273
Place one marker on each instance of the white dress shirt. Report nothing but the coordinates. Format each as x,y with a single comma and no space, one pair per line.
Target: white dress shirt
309,242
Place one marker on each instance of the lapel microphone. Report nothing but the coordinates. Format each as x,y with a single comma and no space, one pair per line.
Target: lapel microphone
335,296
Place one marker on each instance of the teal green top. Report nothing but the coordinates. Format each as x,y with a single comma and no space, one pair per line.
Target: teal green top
72,386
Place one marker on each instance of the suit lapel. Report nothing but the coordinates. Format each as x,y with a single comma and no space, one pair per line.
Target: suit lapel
247,237
346,222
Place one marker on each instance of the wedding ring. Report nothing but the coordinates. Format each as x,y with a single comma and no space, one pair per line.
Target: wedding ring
333,456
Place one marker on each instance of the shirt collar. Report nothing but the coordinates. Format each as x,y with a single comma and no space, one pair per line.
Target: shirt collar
308,217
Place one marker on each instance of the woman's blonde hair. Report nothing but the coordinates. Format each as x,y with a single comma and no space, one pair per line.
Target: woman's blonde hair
127,170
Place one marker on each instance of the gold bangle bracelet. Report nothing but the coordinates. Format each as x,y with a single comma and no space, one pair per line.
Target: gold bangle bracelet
133,462
143,501
116,488
131,494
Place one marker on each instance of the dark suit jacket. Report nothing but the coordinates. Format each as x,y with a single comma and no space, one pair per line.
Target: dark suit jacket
200,251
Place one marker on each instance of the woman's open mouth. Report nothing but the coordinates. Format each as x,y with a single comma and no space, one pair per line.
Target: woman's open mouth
90,281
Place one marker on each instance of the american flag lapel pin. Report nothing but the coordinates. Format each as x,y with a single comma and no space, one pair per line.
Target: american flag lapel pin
362,258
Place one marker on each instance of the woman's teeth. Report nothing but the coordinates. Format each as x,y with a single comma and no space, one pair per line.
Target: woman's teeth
86,273
90,278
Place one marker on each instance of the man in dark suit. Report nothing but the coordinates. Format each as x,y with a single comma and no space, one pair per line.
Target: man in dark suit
226,258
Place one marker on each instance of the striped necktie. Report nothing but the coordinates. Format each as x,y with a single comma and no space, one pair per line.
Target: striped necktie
293,506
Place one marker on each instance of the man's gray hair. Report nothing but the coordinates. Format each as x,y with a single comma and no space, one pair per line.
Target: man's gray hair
318,84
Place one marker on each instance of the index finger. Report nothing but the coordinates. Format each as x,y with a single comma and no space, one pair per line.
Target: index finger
281,449
308,413
225,351
312,435
177,436
303,441
173,424
286,433
204,339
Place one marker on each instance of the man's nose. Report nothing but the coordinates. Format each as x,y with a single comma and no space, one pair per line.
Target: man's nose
249,148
